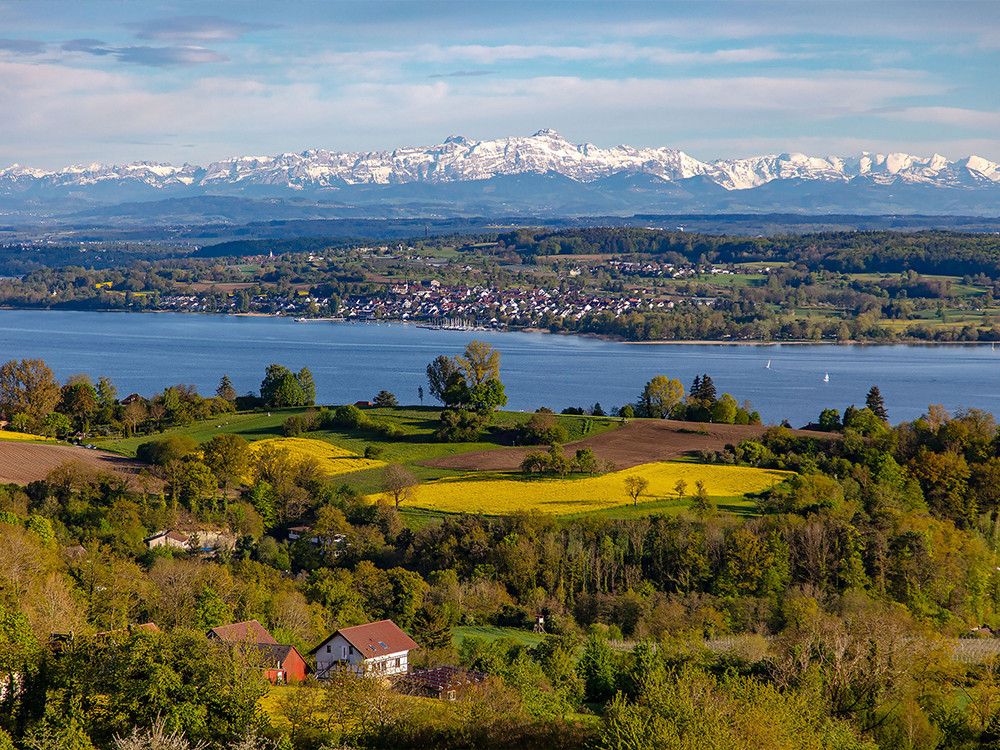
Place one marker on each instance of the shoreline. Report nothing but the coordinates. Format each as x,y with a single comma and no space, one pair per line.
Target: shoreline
598,336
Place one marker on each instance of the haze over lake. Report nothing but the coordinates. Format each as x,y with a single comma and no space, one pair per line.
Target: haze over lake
144,353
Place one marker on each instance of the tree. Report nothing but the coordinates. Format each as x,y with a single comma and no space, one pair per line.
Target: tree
586,461
438,373
680,487
228,456
479,363
281,387
135,412
703,389
535,460
28,387
398,482
488,396
635,485
420,394
226,389
875,402
385,398
308,386
829,420
456,391
107,394
703,504
660,396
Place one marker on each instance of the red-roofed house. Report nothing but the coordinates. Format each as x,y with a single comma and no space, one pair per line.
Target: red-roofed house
250,631
281,663
378,647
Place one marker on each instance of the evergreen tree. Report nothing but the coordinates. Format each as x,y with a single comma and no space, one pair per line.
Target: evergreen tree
226,389
875,402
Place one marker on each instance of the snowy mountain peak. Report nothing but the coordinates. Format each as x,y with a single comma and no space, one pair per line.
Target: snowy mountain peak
459,159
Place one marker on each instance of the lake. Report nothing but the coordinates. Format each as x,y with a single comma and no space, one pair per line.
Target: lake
144,352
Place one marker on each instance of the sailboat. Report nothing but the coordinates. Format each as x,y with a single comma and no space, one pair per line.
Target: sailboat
826,378
768,365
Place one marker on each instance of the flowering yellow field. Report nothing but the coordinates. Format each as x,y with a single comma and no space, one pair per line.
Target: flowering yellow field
563,496
333,459
8,435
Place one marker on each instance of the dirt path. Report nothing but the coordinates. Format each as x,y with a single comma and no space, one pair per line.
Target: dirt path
21,463
641,441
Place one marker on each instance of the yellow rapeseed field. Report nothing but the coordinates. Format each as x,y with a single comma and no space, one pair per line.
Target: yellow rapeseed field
563,496
9,435
333,459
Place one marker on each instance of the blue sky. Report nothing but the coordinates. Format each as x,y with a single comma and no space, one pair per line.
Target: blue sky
85,80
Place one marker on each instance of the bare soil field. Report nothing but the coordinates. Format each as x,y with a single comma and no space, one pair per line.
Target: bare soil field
21,463
639,442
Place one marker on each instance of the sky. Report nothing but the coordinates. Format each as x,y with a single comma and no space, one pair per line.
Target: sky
85,81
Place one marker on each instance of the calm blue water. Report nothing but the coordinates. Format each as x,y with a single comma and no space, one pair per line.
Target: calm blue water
145,352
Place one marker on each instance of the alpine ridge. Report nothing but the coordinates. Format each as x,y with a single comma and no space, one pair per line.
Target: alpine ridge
459,159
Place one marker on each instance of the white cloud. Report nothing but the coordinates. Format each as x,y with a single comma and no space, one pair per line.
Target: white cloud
954,116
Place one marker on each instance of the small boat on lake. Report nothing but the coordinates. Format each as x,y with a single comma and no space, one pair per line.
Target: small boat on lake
826,378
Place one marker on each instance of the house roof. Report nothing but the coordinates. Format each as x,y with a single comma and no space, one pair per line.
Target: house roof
169,534
442,678
275,654
250,631
375,639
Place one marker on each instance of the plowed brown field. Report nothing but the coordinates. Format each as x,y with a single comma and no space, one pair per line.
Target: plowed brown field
641,441
21,463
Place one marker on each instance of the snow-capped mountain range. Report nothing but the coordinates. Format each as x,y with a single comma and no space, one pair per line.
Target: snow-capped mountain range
458,159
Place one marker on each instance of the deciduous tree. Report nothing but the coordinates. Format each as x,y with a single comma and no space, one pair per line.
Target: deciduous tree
635,485
479,363
398,482
660,396
28,387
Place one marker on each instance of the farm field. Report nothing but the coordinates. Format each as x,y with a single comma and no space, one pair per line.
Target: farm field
332,459
417,424
641,441
493,494
26,436
22,462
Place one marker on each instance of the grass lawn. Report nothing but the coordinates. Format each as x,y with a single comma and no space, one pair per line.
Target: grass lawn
491,633
418,443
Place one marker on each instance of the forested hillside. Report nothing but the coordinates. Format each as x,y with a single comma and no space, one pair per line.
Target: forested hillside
841,608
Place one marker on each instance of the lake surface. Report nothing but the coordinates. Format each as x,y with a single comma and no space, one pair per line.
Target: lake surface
145,352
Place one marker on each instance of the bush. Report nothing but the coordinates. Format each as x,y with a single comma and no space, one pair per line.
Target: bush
385,398
160,452
348,416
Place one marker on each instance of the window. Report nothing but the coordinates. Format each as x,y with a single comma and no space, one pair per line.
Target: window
397,662
328,648
382,644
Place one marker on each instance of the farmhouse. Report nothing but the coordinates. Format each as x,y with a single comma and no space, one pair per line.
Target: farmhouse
278,661
376,648
281,663
167,538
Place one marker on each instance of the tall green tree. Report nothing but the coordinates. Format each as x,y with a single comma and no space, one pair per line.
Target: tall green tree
660,396
28,387
226,389
438,374
479,363
876,403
